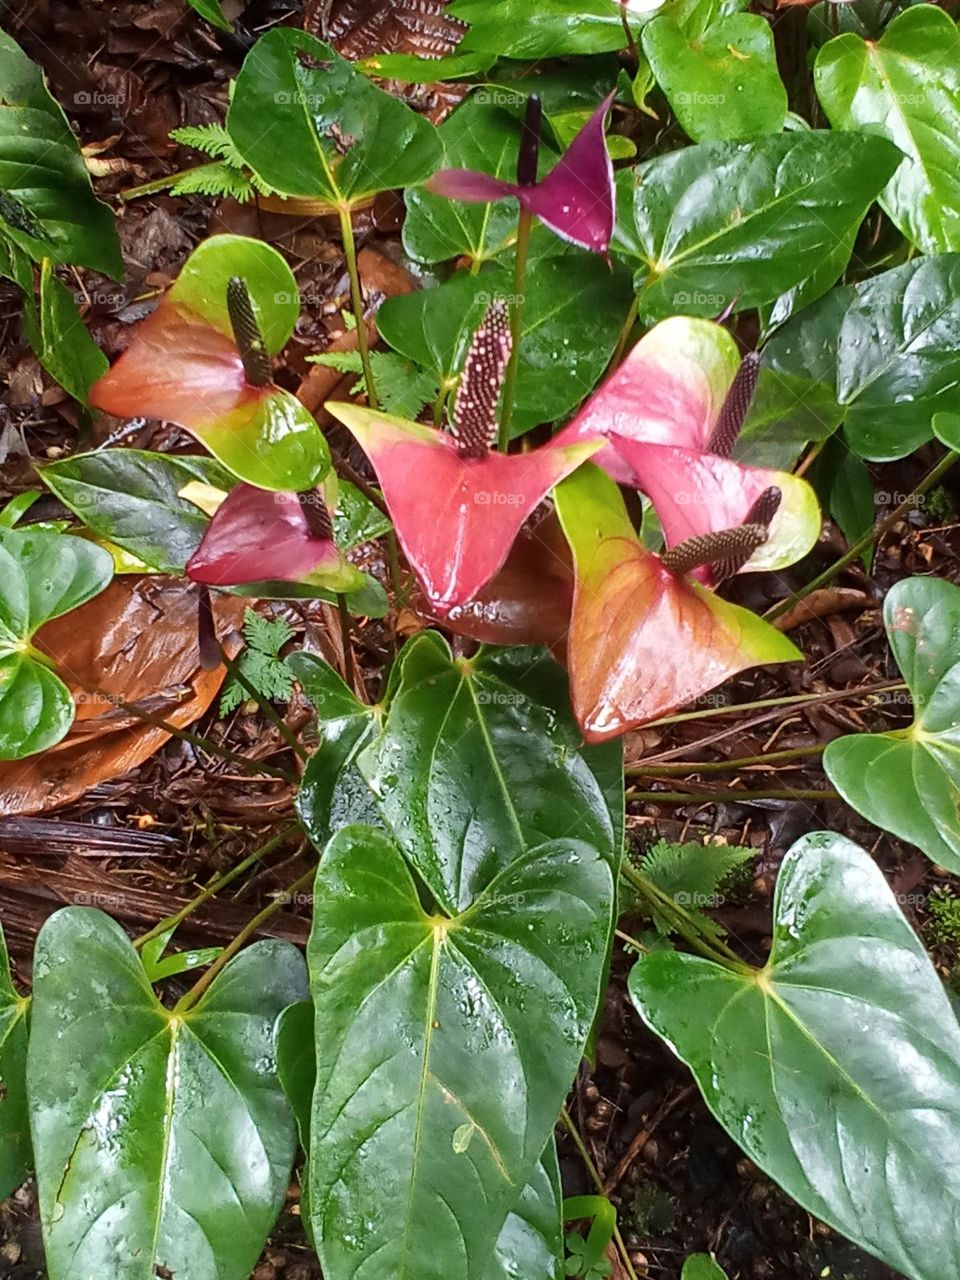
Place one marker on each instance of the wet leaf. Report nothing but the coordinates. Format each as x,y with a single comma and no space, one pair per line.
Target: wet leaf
68,352
906,781
643,640
722,84
906,85
43,575
881,358
212,11
834,1067
48,209
553,28
574,311
16,1156
701,1266
310,124
474,1018
498,725
132,498
161,1140
736,224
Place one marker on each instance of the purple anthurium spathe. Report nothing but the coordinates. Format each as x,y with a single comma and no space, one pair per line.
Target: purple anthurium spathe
258,535
577,198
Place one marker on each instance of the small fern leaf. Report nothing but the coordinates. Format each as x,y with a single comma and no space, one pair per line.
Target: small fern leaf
216,179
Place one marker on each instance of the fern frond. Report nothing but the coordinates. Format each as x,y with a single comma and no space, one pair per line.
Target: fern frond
215,179
212,139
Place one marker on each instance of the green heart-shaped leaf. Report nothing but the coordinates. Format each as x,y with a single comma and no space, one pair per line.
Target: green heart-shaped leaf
445,1045
736,224
721,84
42,575
908,781
906,85
47,205
881,358
310,124
15,1152
837,1066
131,497
574,311
479,762
162,1140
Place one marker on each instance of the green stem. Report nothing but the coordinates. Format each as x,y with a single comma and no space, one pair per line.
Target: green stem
864,541
190,998
680,920
286,733
793,699
625,332
597,1181
710,797
356,296
722,766
524,226
348,666
215,886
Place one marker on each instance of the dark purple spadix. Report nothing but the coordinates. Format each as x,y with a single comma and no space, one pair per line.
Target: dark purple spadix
530,143
577,198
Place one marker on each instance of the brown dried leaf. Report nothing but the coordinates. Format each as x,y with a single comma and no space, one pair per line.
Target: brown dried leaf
359,28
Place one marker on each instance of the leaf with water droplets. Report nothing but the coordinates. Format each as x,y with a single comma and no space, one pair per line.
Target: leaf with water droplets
427,1023
908,781
15,1153
837,1066
161,1140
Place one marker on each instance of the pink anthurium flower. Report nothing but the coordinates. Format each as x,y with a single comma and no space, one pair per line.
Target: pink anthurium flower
457,504
670,416
577,198
203,360
262,536
645,635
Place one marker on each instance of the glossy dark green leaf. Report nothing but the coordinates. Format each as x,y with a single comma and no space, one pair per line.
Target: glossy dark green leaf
574,311
846,490
310,124
42,575
356,519
723,83
48,207
906,85
161,1140
529,1246
837,1066
131,497
445,1045
885,353
515,29
212,11
68,353
907,781
15,1151
737,224
482,135
333,791
475,766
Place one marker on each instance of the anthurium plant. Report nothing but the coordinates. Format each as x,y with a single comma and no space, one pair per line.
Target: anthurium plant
642,386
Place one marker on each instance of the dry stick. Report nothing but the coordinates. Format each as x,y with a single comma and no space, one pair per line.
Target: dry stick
775,705
220,882
343,611
597,1181
196,740
724,766
642,1138
187,1001
872,535
738,797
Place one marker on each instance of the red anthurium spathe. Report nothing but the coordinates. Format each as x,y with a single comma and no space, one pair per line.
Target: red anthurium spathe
202,360
644,638
258,535
456,516
669,416
577,198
